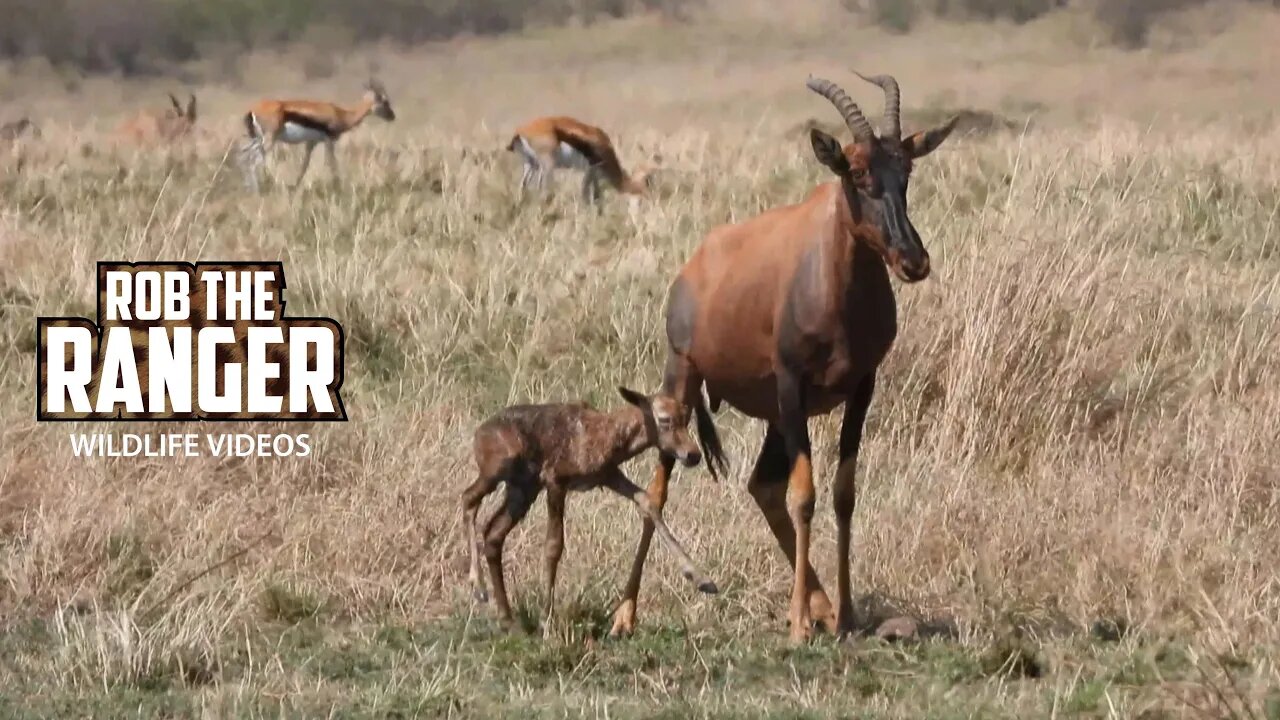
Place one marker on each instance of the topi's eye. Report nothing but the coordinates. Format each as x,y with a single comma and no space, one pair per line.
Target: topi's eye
858,173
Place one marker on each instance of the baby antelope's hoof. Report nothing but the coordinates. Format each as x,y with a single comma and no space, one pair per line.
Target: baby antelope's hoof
704,585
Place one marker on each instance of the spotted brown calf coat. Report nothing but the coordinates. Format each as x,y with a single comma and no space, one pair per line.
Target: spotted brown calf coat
561,448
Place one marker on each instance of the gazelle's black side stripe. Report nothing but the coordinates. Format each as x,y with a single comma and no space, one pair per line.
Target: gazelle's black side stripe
309,122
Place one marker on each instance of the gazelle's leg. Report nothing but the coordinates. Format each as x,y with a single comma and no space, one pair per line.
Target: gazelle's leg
591,184
251,161
546,166
306,162
331,157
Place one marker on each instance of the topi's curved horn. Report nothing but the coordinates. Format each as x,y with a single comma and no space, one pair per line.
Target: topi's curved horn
892,103
849,110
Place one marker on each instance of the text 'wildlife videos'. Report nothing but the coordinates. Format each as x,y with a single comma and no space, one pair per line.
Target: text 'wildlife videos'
180,445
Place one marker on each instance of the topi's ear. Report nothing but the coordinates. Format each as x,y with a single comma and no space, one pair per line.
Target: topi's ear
177,106
191,108
828,151
633,397
925,142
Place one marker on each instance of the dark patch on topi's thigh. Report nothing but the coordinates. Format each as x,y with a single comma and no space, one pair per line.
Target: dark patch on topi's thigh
682,309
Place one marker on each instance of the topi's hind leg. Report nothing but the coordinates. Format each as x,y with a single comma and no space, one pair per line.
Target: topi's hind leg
520,495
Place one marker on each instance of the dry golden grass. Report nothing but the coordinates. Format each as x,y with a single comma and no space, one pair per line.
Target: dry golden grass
1079,420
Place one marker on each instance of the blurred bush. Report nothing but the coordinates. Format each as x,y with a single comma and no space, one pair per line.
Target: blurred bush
1125,22
1129,21
143,36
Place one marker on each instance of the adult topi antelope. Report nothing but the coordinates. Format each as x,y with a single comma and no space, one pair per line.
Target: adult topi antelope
307,123
786,316
548,143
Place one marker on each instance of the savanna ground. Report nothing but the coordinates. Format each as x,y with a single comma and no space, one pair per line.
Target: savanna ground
1070,467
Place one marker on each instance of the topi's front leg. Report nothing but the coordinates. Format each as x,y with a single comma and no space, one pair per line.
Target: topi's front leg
800,503
624,618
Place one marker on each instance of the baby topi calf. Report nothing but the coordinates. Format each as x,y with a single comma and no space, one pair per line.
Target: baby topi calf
561,448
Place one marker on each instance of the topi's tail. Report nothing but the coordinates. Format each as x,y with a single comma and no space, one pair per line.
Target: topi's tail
709,439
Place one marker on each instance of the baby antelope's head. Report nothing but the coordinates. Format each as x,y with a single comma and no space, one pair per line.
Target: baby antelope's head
666,423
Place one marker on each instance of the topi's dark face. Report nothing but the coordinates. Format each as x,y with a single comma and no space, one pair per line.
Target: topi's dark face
875,172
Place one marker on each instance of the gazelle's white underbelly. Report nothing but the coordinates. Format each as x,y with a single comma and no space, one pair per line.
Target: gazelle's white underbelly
294,133
567,157
564,156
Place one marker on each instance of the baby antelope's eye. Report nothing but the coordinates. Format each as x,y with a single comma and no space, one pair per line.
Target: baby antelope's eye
858,173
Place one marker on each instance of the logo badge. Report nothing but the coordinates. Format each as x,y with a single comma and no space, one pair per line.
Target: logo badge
177,341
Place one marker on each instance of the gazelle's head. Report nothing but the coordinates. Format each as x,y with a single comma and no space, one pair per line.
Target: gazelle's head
17,128
666,422
187,113
875,170
647,173
376,95
179,120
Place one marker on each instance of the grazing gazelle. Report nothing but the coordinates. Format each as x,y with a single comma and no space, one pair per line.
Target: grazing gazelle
562,448
307,123
149,125
786,316
548,143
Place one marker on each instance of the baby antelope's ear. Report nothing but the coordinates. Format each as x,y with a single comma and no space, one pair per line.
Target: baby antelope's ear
633,397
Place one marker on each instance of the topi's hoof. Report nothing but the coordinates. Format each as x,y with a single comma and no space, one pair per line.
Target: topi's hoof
708,587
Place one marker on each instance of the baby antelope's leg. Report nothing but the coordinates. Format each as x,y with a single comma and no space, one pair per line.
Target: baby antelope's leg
471,499
519,498
619,483
555,545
